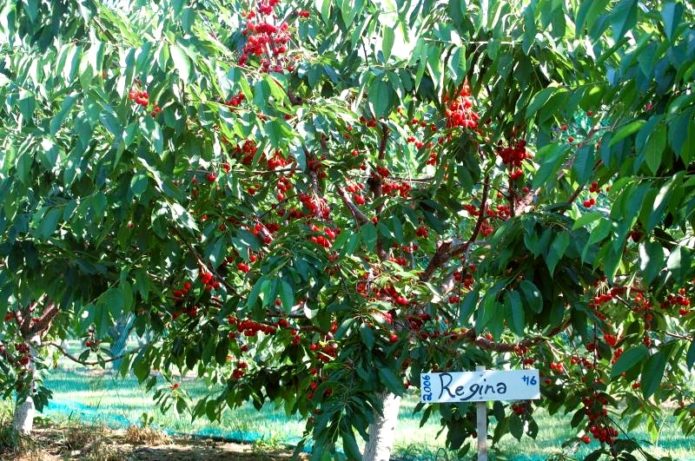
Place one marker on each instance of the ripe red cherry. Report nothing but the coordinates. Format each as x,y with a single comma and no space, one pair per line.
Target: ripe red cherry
393,338
586,439
453,299
211,177
243,267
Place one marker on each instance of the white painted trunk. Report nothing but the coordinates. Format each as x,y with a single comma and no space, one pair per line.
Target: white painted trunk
383,430
23,420
24,413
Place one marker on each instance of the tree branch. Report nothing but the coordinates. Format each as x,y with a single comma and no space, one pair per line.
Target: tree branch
202,262
357,214
487,344
43,323
67,355
448,250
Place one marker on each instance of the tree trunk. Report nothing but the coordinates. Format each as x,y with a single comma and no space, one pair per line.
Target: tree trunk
382,430
23,420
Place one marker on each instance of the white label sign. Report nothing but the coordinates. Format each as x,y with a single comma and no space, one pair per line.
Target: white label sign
479,386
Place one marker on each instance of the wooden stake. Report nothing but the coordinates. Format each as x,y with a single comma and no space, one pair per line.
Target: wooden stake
481,413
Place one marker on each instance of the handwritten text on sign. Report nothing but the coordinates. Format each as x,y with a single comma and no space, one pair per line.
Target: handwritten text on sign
479,386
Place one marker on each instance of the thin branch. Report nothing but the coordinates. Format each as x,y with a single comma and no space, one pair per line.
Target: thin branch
675,335
202,262
509,347
68,355
357,214
483,211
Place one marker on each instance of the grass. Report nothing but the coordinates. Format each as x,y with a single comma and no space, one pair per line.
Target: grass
99,398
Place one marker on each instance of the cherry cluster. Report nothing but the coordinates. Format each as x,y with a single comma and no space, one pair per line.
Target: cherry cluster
389,292
265,40
181,293
368,122
235,100
394,188
250,328
139,97
240,370
465,276
318,206
24,352
356,191
209,280
326,239
679,299
459,111
513,155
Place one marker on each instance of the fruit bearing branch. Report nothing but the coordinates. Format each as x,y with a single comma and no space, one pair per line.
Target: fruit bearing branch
446,250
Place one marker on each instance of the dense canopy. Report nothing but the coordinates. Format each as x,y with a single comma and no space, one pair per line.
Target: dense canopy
314,202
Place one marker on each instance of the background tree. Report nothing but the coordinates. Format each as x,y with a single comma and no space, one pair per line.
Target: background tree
314,203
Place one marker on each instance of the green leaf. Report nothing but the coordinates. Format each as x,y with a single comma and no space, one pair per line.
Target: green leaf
59,118
598,233
109,120
653,373
586,218
583,165
382,98
387,42
539,99
587,14
629,359
690,356
651,258
138,184
625,131
467,307
286,295
352,450
654,148
279,132
623,18
324,6
367,336
181,61
532,295
550,157
671,13
557,250
49,223
368,235
518,320
390,380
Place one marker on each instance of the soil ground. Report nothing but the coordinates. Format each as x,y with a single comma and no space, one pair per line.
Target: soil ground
96,443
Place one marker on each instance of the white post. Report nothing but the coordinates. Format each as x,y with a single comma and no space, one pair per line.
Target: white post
481,413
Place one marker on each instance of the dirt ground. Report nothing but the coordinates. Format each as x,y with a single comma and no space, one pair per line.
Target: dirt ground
95,443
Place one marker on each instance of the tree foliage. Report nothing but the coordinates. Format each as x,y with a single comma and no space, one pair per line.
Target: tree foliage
313,203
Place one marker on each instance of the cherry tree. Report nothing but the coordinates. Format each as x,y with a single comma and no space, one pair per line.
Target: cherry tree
314,203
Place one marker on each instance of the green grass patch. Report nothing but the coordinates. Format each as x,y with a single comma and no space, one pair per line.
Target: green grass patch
101,398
